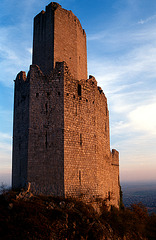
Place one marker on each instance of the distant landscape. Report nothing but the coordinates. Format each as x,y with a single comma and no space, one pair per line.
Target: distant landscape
140,192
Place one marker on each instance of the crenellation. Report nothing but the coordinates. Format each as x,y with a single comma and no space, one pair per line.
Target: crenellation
115,157
61,142
21,76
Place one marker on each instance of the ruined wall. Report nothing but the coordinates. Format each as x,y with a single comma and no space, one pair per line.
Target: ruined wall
38,149
66,149
46,147
20,131
89,167
58,36
79,137
115,191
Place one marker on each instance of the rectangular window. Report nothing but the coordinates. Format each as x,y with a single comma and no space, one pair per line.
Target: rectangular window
80,139
79,90
76,110
80,177
46,107
109,195
46,142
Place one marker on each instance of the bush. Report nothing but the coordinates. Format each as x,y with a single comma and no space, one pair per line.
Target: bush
46,217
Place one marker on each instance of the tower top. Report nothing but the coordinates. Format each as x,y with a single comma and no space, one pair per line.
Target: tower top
54,5
59,36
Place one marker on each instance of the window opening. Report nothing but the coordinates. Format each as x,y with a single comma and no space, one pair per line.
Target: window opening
46,106
80,177
80,139
79,90
76,110
46,142
109,195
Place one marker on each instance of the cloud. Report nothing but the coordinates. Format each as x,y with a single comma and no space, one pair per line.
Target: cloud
131,72
14,55
5,136
5,144
147,19
143,118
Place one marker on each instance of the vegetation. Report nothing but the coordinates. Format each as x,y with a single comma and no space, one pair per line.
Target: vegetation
46,217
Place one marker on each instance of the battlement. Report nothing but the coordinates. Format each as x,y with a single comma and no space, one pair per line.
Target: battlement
115,157
21,76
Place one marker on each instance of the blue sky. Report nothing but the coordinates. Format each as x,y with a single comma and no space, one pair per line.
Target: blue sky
121,43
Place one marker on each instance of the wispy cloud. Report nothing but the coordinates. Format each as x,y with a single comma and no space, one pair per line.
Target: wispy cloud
14,56
147,19
4,136
143,118
127,76
5,142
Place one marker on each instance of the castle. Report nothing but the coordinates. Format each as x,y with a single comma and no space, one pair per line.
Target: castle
61,142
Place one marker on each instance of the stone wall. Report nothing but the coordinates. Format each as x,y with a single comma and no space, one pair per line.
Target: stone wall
90,169
61,136
58,36
46,147
20,131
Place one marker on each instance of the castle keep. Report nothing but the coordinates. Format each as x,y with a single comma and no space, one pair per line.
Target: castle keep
61,142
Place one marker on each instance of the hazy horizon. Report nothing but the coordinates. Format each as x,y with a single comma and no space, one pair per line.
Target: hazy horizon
7,178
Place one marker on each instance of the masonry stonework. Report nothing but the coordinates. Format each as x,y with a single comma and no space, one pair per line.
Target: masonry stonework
61,142
58,36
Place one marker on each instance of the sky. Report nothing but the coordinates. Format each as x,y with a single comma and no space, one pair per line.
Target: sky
121,48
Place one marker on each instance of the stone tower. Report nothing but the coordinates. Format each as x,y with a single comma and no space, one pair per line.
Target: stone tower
58,36
61,141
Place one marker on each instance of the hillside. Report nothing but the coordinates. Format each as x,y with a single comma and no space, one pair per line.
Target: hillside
46,217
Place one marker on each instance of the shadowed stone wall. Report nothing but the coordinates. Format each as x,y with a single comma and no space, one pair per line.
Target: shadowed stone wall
20,131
